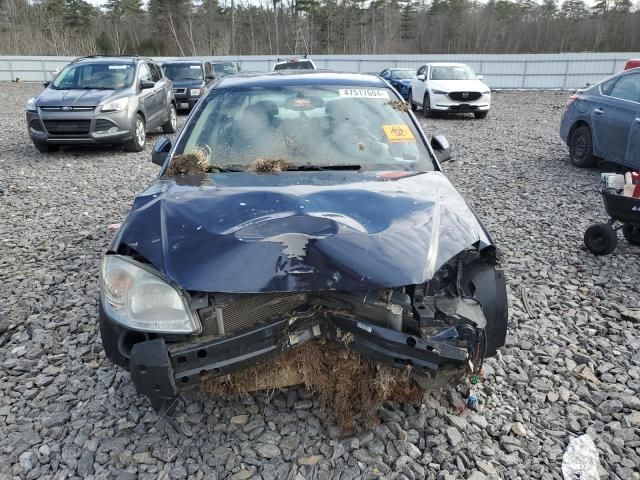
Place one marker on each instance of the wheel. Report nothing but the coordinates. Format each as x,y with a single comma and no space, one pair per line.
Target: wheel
581,147
481,115
45,147
426,106
414,107
631,233
600,239
172,123
139,139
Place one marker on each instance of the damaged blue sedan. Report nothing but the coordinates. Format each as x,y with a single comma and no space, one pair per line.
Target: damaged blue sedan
294,207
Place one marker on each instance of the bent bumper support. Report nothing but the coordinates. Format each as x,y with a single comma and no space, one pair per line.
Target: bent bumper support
160,371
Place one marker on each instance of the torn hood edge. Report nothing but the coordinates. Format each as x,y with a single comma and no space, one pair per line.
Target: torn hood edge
346,231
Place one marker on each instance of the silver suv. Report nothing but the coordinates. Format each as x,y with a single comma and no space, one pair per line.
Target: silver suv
102,100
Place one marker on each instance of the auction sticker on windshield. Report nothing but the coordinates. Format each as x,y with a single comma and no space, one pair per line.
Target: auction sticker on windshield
398,133
364,92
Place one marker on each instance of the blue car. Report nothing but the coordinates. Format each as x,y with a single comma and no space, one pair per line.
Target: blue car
603,122
297,206
400,79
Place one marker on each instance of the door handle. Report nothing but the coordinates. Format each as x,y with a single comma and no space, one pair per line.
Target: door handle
599,111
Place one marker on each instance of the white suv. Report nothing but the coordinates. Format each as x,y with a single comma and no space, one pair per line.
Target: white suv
449,87
294,64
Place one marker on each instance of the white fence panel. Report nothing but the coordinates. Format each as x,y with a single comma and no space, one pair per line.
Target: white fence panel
564,70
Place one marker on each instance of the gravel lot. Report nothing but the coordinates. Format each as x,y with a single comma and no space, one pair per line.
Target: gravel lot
571,364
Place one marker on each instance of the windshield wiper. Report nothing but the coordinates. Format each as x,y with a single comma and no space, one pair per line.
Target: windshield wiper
311,167
219,169
96,88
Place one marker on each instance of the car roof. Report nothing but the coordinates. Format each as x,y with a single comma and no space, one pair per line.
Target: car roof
283,78
402,68
293,59
110,59
447,64
183,60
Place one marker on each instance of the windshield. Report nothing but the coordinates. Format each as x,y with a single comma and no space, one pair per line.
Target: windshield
455,72
402,74
183,71
319,126
224,68
100,76
295,65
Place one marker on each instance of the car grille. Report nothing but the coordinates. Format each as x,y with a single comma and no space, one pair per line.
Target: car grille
103,124
67,109
231,313
67,127
179,90
464,96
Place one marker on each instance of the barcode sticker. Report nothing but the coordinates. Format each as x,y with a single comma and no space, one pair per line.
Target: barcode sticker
364,92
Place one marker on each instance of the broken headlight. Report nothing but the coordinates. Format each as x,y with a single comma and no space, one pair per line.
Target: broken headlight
137,297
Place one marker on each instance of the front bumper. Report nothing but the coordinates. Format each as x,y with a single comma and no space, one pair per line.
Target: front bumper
443,103
160,370
184,101
79,128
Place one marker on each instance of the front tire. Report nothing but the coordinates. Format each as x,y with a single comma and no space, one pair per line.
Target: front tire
139,139
631,233
44,147
581,148
171,125
426,106
600,239
481,115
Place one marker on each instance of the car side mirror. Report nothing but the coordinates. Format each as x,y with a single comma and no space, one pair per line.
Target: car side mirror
210,77
46,84
441,148
146,84
480,77
160,151
421,78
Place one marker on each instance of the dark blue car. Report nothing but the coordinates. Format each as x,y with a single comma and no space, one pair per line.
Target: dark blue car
400,79
296,207
603,121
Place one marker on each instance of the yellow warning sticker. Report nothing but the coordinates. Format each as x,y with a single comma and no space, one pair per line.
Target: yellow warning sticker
399,133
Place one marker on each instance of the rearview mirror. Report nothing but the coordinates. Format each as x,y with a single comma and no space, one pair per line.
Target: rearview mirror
441,148
146,84
160,151
421,78
480,77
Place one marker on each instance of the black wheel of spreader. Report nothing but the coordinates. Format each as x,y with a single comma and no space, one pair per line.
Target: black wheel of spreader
600,239
631,232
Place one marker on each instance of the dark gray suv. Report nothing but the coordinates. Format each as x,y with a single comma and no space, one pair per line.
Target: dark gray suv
102,100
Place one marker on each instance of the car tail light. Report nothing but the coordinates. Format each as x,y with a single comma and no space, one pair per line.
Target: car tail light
571,99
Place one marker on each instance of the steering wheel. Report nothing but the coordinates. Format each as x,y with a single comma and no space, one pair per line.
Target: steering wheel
357,141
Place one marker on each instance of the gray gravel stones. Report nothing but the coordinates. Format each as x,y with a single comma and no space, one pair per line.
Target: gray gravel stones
570,367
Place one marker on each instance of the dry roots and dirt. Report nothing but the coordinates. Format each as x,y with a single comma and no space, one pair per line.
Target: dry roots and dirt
192,163
347,382
268,165
399,105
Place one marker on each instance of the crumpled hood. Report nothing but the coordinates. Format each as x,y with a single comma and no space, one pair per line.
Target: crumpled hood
458,85
300,231
80,98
